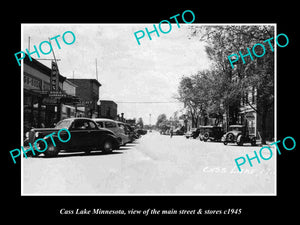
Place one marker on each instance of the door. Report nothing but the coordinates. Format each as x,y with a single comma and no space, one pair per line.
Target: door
95,135
80,134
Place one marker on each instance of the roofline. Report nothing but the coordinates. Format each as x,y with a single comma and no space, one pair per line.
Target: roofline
41,67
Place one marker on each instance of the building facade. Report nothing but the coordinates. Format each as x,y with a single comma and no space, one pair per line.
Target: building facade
108,109
88,92
40,107
251,116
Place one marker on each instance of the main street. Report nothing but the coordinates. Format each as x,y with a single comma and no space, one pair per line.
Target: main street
154,164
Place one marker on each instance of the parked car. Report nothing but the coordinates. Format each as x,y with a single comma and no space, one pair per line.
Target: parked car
212,133
116,127
126,130
238,134
193,133
178,131
141,131
132,134
85,136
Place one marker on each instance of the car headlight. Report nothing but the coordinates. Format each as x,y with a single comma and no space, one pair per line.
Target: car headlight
37,134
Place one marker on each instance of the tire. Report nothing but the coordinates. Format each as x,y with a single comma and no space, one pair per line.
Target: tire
52,151
229,137
107,146
253,141
205,136
239,140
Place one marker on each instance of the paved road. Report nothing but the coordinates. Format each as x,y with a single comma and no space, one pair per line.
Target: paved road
155,164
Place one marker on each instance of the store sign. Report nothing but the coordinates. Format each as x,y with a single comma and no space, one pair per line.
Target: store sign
83,102
54,77
32,83
57,94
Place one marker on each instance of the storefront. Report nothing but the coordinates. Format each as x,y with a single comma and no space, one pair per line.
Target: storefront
40,107
36,112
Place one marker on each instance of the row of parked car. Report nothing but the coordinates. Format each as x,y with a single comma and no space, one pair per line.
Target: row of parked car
86,135
238,134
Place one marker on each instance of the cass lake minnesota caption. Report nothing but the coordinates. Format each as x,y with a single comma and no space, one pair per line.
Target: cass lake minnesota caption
149,211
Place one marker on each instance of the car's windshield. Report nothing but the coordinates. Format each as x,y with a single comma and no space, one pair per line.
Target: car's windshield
63,124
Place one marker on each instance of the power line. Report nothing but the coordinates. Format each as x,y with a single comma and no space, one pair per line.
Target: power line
147,102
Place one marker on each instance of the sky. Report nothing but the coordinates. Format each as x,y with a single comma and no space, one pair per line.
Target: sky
130,74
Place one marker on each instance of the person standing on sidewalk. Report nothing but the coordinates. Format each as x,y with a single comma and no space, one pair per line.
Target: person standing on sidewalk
171,133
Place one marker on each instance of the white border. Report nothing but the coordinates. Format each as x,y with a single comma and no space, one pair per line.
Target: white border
110,24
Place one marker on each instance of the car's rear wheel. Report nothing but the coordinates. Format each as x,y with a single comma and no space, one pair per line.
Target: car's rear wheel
253,141
107,146
206,136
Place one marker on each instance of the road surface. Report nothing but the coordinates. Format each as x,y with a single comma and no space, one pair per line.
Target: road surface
154,165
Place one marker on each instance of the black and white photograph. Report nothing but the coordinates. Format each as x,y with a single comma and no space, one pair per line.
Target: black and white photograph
149,109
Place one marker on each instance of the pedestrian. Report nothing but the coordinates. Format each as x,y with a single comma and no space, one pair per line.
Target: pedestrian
171,133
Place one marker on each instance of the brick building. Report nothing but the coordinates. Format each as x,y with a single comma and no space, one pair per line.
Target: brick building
88,92
108,109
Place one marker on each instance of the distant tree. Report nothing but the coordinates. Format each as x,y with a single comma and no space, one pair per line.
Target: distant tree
161,120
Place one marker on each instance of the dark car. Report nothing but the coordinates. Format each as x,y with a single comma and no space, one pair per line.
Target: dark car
141,131
193,133
238,134
178,131
85,136
212,133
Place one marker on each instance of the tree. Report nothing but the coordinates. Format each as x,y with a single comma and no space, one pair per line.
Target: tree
258,73
193,91
161,119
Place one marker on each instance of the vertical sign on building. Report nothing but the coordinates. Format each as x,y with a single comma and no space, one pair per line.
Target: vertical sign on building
54,77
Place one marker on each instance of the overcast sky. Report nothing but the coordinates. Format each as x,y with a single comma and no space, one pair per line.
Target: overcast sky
128,72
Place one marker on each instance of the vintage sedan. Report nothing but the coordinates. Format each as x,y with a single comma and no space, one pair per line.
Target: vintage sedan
212,133
116,127
238,134
193,133
85,136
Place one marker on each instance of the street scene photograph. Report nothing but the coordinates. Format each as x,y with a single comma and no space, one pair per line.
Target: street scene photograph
131,109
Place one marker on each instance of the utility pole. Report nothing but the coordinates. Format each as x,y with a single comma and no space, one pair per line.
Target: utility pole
98,100
96,71
29,43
